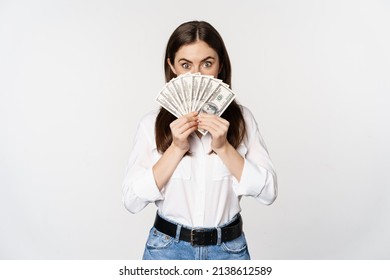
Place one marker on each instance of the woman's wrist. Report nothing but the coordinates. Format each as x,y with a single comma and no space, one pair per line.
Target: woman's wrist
223,149
232,159
180,152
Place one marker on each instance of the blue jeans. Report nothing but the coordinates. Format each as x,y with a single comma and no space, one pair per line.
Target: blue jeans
160,246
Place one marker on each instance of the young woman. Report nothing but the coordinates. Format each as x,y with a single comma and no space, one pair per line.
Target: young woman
196,180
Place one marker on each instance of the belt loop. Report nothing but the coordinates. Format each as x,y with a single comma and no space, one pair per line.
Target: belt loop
178,230
219,236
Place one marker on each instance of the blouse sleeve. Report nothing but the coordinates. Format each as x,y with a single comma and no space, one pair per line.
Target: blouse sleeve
258,177
139,186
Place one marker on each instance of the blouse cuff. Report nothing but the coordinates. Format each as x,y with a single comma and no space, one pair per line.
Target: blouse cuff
253,178
145,187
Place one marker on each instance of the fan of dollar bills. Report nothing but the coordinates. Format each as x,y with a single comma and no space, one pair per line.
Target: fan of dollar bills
195,92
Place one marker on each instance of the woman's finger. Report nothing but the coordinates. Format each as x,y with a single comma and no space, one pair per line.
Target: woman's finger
184,119
213,118
186,126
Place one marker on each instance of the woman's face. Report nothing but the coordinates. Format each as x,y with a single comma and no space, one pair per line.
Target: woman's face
197,57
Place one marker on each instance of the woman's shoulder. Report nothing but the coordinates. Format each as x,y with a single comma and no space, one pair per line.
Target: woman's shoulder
250,121
145,127
247,113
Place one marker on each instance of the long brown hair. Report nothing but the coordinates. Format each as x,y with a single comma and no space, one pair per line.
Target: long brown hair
188,33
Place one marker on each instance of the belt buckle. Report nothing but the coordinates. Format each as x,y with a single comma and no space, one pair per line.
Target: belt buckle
192,237
197,238
194,241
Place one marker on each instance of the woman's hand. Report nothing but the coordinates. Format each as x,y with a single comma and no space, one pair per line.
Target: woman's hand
217,127
181,128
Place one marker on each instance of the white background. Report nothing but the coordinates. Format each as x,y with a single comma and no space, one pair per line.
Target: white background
76,77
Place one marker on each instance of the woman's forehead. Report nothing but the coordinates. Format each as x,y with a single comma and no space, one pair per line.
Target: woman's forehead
198,50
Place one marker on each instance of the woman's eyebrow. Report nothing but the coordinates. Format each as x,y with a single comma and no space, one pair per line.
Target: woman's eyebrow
186,60
209,57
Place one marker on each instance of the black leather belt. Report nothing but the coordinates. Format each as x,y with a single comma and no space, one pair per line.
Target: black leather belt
199,236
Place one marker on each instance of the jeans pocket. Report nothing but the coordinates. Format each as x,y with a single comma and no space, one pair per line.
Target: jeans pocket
158,240
235,246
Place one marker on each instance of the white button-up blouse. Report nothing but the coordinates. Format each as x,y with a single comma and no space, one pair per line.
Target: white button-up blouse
201,192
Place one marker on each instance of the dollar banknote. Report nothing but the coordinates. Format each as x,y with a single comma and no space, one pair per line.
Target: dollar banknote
195,92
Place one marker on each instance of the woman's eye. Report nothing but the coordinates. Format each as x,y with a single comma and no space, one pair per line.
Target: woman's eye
207,64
